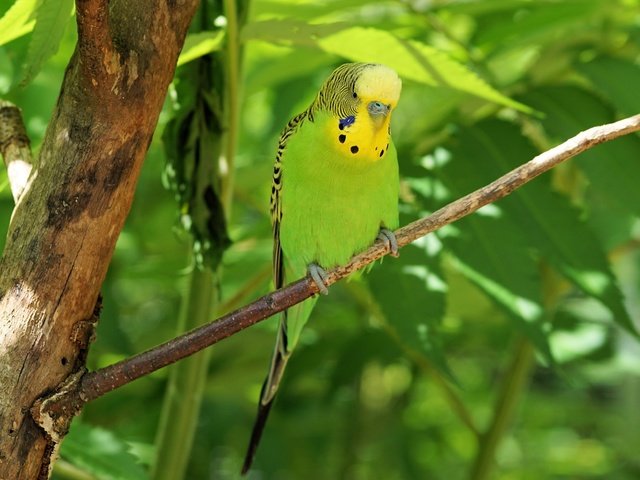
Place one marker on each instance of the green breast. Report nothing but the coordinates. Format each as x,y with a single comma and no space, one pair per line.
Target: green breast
332,204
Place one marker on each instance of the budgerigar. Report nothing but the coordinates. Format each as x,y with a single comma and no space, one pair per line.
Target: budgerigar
334,191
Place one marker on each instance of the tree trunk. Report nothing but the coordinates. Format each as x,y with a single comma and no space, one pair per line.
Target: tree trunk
65,226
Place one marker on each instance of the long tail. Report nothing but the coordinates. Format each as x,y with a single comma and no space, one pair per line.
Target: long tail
268,393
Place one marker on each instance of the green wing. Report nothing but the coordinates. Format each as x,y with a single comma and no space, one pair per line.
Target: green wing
281,353
276,192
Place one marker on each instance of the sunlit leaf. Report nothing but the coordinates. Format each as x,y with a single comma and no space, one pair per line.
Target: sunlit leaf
101,453
612,169
549,223
489,253
536,22
18,20
412,60
305,9
52,17
411,292
199,44
614,78
290,32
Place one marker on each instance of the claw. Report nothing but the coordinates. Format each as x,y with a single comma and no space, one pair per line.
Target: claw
388,237
319,276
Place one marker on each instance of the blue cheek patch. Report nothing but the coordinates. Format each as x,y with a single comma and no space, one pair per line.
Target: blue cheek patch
345,122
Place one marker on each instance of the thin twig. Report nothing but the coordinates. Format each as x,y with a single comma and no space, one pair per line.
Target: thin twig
99,382
15,148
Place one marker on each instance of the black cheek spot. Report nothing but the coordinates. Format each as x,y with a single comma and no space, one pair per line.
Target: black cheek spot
342,138
381,152
341,126
387,147
354,149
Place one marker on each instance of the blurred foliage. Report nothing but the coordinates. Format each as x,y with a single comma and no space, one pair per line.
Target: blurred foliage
401,370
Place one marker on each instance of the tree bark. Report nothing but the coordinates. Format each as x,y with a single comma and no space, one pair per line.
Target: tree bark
65,227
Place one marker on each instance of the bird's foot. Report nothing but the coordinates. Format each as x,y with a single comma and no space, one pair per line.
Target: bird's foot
319,276
389,238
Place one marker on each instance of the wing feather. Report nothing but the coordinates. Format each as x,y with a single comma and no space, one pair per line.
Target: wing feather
276,197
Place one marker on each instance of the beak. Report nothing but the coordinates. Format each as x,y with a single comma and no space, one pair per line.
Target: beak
377,109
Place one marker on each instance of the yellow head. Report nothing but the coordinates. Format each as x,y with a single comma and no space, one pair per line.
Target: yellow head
361,98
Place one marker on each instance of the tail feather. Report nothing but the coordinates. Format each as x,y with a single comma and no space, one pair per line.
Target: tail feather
267,394
256,433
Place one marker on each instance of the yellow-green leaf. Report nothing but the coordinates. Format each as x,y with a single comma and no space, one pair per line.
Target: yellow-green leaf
199,44
18,20
52,17
412,60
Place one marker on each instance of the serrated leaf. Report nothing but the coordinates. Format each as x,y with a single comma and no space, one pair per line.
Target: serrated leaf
612,168
198,44
549,223
273,70
290,32
411,293
305,9
52,17
536,22
18,20
489,253
487,250
100,452
613,77
412,60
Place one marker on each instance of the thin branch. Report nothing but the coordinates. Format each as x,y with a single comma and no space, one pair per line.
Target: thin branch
99,382
15,148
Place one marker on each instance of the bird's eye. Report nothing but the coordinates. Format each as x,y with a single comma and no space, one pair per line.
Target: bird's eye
355,95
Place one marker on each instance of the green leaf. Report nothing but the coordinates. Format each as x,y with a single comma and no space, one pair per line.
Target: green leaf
550,225
356,352
304,10
6,72
489,253
612,196
198,44
411,292
52,17
614,78
290,32
612,168
487,250
18,20
536,23
101,453
412,60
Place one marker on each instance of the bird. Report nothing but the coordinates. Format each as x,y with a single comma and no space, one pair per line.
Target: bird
334,192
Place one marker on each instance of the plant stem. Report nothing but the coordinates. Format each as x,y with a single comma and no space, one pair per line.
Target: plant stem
186,385
512,387
232,71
